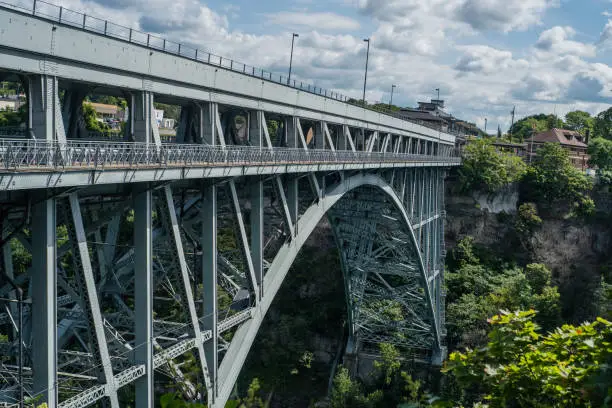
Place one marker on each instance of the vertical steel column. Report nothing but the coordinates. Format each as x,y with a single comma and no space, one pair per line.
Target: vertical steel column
257,227
255,130
143,296
292,182
209,281
207,124
144,118
44,302
183,130
44,110
342,140
319,136
72,110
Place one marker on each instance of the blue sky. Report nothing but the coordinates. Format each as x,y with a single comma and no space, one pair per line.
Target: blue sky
486,56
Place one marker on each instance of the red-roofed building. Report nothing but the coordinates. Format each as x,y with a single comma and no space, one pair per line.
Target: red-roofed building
572,141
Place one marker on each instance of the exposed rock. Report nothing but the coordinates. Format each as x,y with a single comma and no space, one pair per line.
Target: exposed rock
574,249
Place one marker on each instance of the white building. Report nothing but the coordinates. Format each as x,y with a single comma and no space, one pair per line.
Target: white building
159,116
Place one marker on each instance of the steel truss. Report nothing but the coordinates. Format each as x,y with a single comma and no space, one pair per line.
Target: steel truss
139,279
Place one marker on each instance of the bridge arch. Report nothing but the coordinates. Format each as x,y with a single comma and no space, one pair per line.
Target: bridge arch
244,337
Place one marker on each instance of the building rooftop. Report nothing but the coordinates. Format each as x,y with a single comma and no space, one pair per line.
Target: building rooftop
420,115
103,108
563,136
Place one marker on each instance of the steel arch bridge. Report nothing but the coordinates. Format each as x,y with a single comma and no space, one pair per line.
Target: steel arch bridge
139,254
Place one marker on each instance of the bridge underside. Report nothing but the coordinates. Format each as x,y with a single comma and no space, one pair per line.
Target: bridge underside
218,251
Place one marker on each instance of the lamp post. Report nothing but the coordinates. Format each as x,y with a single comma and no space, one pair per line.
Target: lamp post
291,57
391,101
365,79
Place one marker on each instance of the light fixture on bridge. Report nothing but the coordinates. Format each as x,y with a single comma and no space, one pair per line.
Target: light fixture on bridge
391,101
365,79
295,35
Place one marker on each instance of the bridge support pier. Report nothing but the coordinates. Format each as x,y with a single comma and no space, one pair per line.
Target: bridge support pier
209,283
143,296
44,295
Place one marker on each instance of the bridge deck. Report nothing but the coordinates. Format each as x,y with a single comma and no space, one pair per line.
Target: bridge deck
28,164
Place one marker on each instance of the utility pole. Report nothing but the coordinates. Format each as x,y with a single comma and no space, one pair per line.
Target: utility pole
391,101
512,125
291,57
365,79
486,125
533,129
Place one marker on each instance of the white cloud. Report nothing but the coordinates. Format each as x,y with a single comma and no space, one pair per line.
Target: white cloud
482,59
495,15
503,15
593,84
315,21
557,40
605,39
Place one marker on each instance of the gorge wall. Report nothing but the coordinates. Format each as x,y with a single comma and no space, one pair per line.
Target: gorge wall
577,250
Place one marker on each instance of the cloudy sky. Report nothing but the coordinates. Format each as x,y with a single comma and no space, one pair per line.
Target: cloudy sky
486,56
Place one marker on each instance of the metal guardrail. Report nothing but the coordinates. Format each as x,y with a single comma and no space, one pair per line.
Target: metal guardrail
24,154
62,15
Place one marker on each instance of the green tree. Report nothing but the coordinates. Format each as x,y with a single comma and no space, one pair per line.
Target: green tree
486,169
478,290
600,152
389,385
520,367
552,178
603,124
580,121
538,276
525,127
528,220
14,118
91,119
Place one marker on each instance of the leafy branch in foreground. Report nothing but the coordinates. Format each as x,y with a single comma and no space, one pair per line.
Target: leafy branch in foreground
520,367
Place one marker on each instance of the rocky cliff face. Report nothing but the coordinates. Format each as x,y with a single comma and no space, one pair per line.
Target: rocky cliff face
576,250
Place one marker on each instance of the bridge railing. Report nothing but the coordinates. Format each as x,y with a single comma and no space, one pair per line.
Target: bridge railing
23,154
62,15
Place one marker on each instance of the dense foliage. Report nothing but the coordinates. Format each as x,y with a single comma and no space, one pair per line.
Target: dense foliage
600,151
389,385
91,119
552,179
602,126
14,118
527,126
486,169
521,367
478,289
579,121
